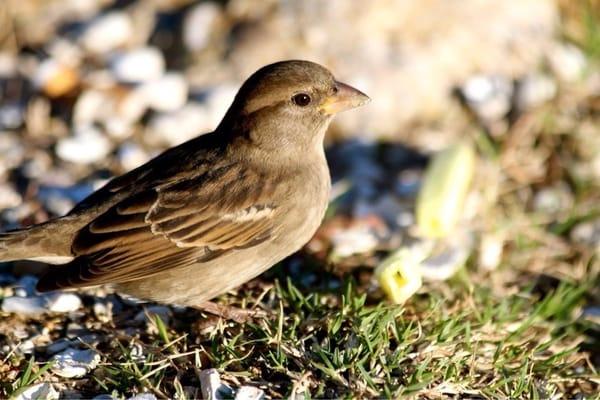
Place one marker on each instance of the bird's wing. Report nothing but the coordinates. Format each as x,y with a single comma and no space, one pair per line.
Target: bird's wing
176,224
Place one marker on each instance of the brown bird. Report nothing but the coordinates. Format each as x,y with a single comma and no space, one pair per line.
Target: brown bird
212,213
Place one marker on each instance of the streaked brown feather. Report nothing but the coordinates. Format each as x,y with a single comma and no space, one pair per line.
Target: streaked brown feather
178,223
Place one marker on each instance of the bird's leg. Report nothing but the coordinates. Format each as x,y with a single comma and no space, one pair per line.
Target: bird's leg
239,315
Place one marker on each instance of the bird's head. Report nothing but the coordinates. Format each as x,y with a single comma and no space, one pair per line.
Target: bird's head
290,103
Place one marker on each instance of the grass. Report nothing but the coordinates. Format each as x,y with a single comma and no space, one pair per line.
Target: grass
345,344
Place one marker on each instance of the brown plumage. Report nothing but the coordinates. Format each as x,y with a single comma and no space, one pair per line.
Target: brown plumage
211,213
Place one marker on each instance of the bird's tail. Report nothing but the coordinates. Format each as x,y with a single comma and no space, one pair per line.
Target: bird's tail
35,243
12,245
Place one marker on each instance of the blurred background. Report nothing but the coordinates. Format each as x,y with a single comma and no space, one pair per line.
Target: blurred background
90,89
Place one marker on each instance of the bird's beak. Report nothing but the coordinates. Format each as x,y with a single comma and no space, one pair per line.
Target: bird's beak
344,99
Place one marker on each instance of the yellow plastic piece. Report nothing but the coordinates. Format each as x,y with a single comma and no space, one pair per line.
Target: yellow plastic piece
399,275
445,186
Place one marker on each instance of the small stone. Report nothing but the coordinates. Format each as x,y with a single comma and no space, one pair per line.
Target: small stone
143,396
86,146
591,313
534,90
447,259
488,96
8,65
30,306
11,116
55,79
212,387
567,62
177,127
131,156
63,302
136,352
139,65
11,151
103,310
168,93
27,347
198,24
356,240
249,393
39,391
89,107
58,205
9,197
553,199
65,51
74,363
587,233
217,100
107,32
490,251
132,106
118,128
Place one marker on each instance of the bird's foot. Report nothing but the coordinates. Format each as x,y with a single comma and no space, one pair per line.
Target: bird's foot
239,315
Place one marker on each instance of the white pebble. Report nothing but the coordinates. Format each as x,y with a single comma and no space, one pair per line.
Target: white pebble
63,302
587,233
567,62
139,65
8,64
490,251
211,385
167,93
131,156
40,391
11,116
143,396
118,128
24,305
218,101
9,197
488,96
87,145
89,107
178,126
448,259
133,105
198,24
534,90
354,240
107,32
553,199
249,393
75,363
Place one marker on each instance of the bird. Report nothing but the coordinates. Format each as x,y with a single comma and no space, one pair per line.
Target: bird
209,214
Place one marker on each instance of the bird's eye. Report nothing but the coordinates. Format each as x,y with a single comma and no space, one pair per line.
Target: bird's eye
301,99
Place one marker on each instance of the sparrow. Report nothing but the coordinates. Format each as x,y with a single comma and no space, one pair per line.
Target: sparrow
212,213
